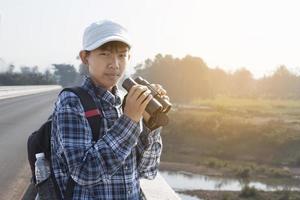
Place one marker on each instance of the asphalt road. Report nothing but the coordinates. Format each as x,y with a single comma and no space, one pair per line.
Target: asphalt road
19,117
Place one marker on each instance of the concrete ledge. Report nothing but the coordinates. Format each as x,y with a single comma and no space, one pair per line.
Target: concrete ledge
158,189
15,91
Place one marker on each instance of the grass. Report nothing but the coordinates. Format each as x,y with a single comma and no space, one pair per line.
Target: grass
255,106
259,103
247,192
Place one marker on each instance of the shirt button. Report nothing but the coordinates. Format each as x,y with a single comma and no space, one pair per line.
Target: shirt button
126,167
129,191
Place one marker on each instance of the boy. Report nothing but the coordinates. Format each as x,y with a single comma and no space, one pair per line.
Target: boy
127,150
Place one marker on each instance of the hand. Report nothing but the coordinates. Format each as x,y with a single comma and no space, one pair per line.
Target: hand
161,91
136,101
146,116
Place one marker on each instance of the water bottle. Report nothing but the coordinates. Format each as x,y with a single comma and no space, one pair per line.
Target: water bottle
45,186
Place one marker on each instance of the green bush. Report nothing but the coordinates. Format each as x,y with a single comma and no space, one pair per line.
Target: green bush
243,173
286,195
227,196
216,163
247,192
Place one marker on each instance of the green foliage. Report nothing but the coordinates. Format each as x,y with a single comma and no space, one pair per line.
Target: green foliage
216,163
297,162
243,173
184,79
27,76
286,195
66,74
227,196
248,106
247,192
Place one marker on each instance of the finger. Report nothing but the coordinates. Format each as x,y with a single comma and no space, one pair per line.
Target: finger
132,90
145,102
166,97
155,85
159,89
143,96
162,92
139,91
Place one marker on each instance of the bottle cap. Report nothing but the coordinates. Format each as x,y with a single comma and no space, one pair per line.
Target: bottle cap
40,155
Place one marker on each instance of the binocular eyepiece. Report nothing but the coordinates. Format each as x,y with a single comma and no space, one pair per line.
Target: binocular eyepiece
157,108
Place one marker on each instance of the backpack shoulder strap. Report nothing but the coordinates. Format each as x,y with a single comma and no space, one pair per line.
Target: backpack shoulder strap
92,113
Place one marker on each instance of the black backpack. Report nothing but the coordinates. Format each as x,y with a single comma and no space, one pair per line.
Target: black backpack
39,141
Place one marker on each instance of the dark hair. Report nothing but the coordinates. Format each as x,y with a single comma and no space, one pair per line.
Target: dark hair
113,44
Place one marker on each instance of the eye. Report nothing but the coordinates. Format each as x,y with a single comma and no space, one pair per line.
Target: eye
123,55
105,53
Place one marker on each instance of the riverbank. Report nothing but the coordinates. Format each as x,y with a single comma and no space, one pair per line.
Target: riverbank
216,185
292,174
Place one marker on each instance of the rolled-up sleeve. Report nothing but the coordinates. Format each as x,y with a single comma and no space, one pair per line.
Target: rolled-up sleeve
149,148
91,162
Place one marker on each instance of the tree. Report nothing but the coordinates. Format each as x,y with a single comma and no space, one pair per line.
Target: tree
190,78
184,79
83,69
284,83
25,70
27,76
11,69
49,77
65,74
242,82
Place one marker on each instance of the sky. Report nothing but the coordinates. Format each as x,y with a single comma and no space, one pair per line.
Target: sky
259,35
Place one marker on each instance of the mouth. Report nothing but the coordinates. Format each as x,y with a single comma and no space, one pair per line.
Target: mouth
112,74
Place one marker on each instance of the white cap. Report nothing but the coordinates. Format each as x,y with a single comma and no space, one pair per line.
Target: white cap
39,155
99,33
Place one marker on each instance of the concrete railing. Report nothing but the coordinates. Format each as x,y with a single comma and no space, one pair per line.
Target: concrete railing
15,91
158,189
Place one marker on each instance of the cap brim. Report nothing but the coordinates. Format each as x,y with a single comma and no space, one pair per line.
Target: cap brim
108,39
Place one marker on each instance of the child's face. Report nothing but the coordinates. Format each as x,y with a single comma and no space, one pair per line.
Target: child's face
107,63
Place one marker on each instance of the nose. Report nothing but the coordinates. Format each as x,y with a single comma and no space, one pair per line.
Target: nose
114,62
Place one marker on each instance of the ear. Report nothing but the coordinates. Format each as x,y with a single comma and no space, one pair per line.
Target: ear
83,56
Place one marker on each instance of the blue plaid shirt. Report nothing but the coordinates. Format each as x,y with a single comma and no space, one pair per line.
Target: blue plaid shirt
111,167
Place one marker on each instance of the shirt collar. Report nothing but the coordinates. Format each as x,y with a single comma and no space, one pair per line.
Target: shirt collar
112,97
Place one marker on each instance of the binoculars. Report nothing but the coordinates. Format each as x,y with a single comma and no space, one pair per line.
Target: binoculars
157,108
